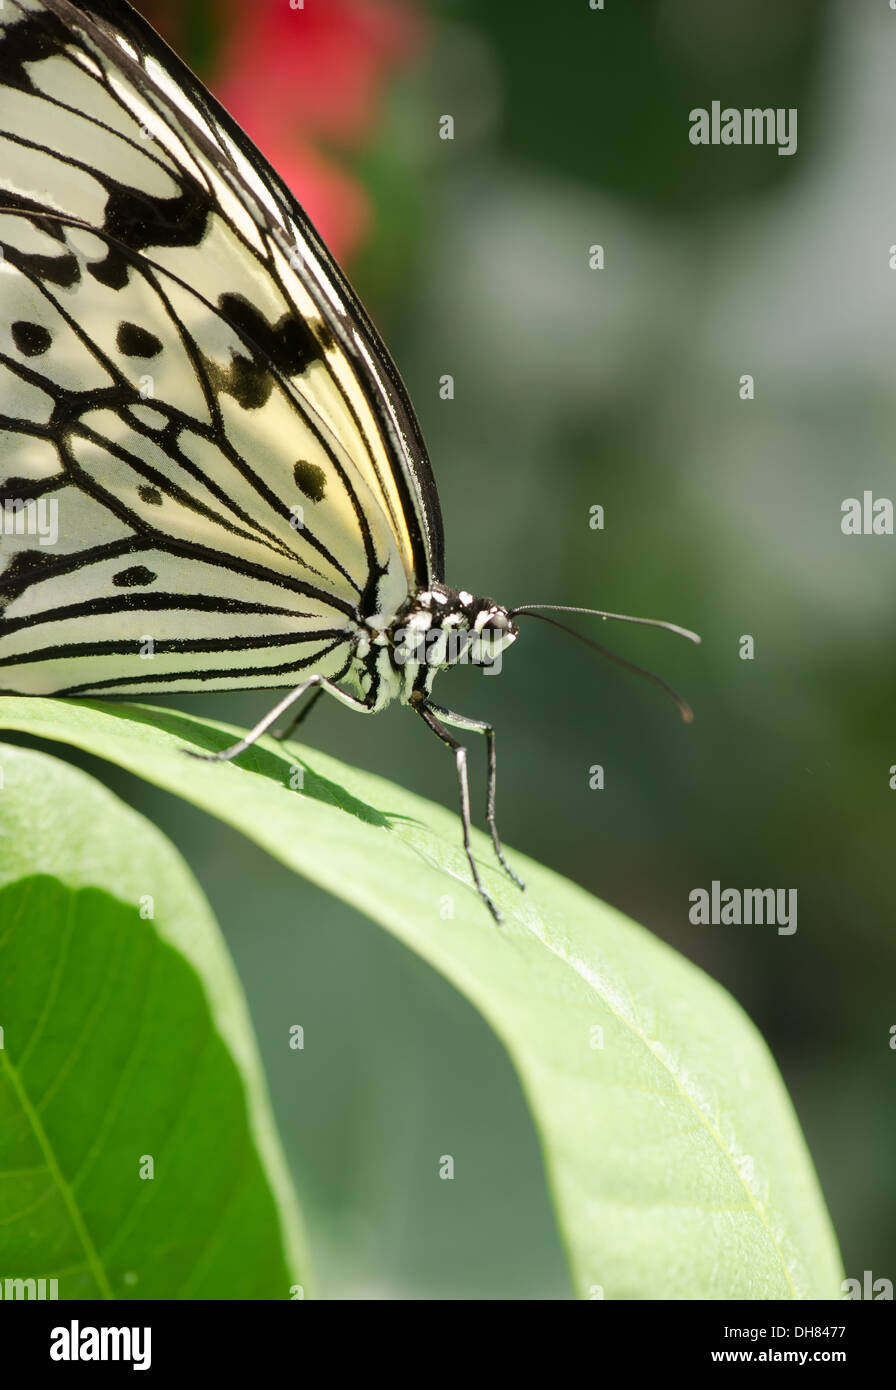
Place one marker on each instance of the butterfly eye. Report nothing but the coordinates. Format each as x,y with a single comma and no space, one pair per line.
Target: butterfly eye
498,622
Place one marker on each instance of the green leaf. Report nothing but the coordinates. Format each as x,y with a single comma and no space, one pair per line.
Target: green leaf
672,1151
125,1035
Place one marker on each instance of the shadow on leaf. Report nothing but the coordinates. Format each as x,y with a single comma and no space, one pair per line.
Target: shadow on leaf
265,762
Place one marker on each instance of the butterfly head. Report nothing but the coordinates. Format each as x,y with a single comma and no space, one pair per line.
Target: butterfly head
489,623
448,627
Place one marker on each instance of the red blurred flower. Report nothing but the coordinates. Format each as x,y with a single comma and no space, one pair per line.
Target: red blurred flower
302,82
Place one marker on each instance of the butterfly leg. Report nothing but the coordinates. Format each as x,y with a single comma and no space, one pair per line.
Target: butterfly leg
460,759
479,726
226,754
281,734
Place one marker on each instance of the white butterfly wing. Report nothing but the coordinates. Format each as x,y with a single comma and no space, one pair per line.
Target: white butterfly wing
210,473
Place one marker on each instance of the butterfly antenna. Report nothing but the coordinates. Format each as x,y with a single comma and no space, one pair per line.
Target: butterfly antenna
684,708
536,608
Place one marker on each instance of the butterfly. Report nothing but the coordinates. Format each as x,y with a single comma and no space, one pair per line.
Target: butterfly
211,474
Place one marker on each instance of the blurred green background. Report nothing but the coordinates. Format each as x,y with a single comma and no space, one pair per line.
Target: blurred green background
575,387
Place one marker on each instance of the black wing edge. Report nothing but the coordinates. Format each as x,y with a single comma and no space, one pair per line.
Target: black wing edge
415,478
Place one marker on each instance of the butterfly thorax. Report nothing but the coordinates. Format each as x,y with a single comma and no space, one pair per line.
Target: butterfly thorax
437,628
